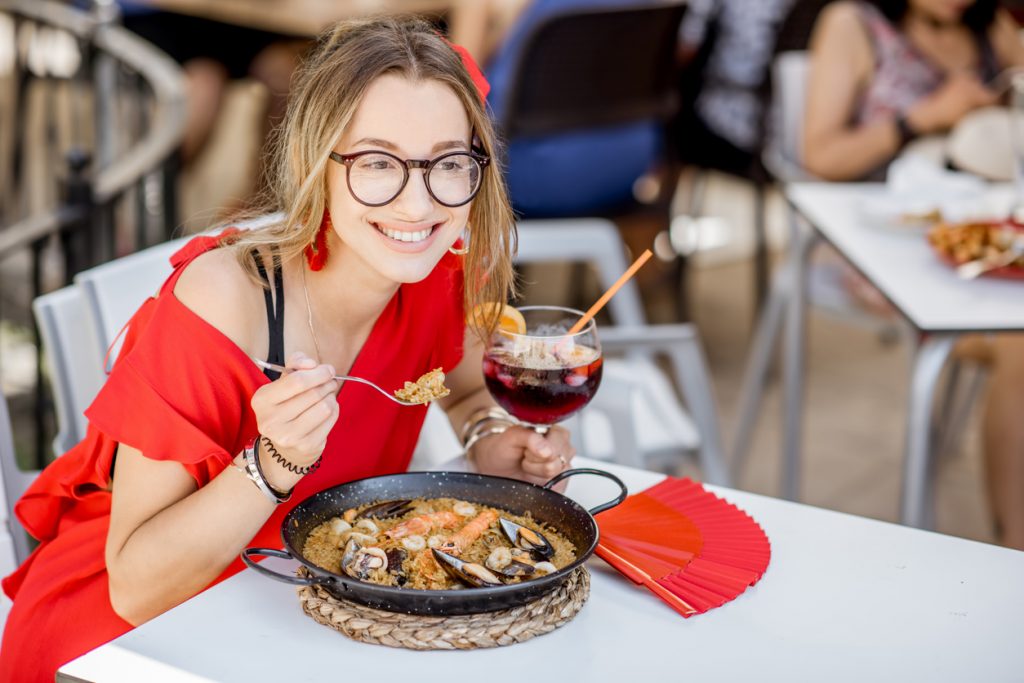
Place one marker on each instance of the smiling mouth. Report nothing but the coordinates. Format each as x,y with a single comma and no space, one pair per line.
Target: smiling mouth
405,235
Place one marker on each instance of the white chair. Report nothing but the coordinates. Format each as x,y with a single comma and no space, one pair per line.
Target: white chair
113,291
14,546
636,413
74,359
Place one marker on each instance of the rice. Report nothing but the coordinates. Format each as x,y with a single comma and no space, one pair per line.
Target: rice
418,568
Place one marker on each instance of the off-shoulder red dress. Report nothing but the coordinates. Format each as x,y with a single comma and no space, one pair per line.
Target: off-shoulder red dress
180,390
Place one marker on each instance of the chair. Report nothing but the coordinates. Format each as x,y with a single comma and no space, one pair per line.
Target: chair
113,291
14,545
116,289
74,359
583,69
636,413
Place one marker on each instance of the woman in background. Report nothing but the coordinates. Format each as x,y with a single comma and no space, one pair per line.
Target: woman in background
883,73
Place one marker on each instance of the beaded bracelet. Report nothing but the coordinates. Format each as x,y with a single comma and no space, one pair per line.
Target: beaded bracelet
280,459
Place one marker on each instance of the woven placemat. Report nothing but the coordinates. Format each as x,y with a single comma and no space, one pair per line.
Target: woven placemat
464,632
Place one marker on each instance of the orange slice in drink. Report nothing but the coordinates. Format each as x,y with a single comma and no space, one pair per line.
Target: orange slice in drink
509,319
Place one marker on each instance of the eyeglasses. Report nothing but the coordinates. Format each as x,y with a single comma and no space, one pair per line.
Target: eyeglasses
376,178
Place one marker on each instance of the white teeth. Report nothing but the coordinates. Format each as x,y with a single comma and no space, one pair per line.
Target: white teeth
406,236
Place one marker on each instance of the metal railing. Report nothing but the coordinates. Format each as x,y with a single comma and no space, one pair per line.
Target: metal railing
88,167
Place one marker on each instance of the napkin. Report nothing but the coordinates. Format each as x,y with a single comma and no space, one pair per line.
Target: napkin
918,191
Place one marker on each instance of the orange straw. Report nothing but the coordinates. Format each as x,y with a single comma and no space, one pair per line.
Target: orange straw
599,304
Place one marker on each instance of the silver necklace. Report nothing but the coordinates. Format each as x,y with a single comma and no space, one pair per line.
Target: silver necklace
309,314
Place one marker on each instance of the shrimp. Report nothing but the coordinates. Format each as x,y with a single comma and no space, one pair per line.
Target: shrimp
422,524
469,533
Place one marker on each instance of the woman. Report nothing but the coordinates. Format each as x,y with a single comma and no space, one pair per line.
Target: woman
155,504
883,73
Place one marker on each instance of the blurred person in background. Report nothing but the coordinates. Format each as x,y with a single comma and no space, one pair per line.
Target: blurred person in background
882,73
212,54
727,47
568,174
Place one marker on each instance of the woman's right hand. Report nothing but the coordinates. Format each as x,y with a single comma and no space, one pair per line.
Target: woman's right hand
296,412
960,94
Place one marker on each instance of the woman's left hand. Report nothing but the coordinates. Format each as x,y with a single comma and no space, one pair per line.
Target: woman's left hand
521,453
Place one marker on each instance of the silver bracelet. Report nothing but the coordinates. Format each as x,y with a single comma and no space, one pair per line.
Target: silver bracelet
478,434
255,474
479,417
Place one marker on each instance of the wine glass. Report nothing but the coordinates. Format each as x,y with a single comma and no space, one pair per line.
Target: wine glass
545,375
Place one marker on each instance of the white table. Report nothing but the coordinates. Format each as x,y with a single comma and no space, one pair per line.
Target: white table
844,599
899,262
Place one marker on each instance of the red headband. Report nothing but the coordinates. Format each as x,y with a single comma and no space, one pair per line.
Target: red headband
482,86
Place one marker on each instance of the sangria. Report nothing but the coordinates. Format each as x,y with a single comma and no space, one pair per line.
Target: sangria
545,375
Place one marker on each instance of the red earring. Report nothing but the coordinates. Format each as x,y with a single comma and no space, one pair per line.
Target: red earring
316,252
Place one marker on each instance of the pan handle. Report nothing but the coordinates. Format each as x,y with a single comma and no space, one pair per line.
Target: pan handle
601,473
248,553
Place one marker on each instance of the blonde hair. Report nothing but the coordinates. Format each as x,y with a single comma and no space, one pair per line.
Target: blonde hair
326,92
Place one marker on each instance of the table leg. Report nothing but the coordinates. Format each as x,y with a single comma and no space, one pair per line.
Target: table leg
929,360
794,348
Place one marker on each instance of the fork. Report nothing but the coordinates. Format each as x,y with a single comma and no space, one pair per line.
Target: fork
972,269
341,378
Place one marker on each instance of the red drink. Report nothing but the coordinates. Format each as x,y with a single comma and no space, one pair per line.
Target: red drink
542,391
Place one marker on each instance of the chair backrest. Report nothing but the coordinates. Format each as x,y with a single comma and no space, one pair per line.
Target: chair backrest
74,359
14,545
114,291
783,155
594,67
591,240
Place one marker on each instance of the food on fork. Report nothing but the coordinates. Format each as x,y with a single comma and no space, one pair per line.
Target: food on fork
427,388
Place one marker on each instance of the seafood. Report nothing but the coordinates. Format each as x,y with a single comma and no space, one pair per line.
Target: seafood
414,543
367,527
469,572
424,523
469,533
527,539
394,545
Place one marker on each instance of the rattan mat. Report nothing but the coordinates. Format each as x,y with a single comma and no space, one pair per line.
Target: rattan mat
464,632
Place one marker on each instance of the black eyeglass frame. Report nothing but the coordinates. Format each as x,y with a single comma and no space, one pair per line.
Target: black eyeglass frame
347,160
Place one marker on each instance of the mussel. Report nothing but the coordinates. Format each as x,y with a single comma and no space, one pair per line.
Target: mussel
389,509
527,539
502,561
360,562
396,556
470,573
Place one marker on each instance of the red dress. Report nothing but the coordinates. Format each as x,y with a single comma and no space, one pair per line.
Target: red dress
180,390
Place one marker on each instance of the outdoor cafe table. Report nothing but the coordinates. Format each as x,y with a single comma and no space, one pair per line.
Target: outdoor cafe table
924,290
844,599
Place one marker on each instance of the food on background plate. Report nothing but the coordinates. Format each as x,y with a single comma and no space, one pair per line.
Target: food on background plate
427,388
437,544
963,242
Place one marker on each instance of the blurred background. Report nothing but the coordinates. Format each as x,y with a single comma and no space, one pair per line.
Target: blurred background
126,124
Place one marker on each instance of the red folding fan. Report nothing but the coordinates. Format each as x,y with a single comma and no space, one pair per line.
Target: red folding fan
692,549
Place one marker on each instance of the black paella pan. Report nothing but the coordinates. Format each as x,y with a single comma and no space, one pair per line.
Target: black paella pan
573,521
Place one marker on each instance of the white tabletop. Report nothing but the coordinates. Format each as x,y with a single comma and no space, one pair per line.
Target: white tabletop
844,599
903,266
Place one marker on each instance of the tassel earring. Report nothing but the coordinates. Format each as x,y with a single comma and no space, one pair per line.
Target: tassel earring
463,241
316,252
